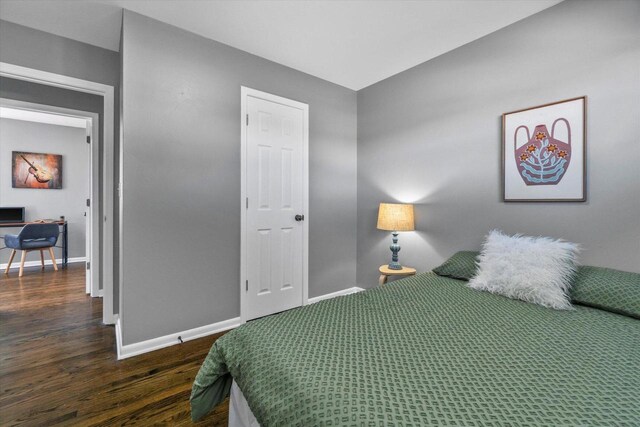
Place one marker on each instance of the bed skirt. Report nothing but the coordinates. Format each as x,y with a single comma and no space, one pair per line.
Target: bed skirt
240,414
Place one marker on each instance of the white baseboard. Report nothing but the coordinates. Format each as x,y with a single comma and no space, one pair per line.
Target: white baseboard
100,294
130,350
135,349
16,263
116,318
335,294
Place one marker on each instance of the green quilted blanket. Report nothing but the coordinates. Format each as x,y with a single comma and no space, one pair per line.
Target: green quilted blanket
425,351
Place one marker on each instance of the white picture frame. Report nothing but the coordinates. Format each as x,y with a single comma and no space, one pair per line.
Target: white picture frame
544,152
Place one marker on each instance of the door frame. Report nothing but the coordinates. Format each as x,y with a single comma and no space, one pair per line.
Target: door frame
246,92
92,124
107,93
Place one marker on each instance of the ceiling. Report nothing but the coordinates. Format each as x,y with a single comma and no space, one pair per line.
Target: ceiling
352,43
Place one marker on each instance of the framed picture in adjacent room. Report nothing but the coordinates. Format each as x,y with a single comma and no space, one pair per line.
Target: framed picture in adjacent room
36,170
544,152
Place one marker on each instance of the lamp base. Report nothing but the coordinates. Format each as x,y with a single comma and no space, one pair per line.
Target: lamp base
394,266
395,248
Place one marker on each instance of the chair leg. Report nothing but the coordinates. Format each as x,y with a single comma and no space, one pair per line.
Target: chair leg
53,259
22,258
42,258
13,254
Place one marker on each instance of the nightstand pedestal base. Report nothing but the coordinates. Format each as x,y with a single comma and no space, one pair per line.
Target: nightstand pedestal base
385,272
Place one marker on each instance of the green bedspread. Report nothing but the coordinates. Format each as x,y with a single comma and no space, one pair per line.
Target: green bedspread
424,351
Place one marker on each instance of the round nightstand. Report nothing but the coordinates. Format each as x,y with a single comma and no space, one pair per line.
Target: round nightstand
385,272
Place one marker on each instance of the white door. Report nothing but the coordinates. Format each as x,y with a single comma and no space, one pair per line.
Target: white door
276,180
88,216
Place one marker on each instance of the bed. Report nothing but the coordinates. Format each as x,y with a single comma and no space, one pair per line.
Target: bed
427,350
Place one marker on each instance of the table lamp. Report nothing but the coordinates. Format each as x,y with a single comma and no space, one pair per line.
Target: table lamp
395,217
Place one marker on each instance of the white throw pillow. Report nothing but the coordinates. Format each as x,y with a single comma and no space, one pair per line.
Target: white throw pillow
533,269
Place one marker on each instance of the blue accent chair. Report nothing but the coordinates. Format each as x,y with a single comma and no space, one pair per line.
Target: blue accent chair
32,237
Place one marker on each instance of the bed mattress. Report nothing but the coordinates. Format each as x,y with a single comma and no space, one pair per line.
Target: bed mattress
427,350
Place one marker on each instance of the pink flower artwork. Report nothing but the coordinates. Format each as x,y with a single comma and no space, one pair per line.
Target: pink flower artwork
543,160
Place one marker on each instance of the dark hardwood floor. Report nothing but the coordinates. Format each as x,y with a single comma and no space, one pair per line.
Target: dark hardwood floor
58,361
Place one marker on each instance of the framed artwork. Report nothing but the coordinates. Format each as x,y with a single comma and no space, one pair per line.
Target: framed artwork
544,152
36,170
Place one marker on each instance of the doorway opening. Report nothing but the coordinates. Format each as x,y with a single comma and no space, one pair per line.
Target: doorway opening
66,143
107,186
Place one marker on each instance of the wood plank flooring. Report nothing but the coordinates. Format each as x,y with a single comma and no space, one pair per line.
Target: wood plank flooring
58,362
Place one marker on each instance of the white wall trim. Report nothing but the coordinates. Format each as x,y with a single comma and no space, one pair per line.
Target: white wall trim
135,349
107,92
16,265
34,116
245,92
116,318
343,292
130,350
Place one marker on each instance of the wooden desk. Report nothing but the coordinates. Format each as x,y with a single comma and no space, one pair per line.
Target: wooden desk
64,232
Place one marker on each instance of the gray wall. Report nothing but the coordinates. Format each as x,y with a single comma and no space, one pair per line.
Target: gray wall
181,150
37,49
17,135
431,136
40,50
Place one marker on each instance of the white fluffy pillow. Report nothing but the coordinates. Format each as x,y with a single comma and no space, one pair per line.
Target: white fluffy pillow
533,269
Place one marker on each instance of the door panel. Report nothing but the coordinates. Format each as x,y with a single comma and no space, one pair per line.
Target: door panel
264,262
274,180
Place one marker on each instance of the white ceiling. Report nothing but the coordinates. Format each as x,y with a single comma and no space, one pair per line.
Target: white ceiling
352,43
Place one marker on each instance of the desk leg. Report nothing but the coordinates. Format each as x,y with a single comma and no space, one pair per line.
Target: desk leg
65,249
382,280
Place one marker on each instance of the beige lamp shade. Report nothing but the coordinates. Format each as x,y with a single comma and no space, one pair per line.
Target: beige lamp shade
395,217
